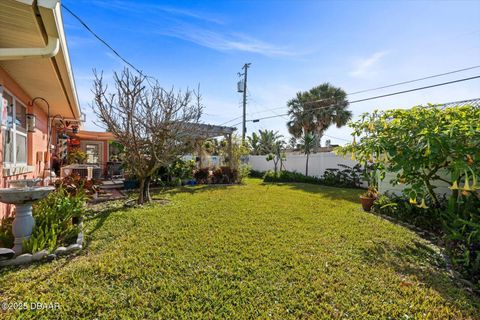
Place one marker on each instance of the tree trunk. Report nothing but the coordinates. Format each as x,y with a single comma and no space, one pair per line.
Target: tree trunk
141,192
146,190
306,165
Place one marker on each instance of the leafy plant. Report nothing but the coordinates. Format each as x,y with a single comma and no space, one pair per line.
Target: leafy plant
420,146
256,174
53,220
347,177
201,175
6,235
76,156
243,172
75,184
287,176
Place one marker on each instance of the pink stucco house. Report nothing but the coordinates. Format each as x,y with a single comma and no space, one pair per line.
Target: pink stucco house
37,88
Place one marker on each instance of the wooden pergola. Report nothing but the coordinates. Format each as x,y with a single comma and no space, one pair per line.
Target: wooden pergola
202,132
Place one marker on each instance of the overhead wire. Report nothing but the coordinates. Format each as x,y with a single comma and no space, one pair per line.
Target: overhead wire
393,85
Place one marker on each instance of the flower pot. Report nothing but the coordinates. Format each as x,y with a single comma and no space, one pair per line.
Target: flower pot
367,203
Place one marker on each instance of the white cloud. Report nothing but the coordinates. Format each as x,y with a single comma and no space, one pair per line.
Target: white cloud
365,67
141,8
226,41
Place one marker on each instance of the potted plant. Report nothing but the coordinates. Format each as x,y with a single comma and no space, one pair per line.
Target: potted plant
368,198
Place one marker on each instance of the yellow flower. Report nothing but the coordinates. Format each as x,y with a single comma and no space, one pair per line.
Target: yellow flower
423,205
412,201
466,187
474,183
454,185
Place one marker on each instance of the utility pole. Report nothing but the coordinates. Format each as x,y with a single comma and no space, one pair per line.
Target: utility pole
244,90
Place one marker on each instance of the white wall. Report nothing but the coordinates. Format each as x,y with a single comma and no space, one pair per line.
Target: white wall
317,163
386,186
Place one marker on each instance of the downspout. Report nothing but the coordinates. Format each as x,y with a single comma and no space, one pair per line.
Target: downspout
51,50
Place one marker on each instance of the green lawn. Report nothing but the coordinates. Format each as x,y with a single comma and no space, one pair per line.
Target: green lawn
266,251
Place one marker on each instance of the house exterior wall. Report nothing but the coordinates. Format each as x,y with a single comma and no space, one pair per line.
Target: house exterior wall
36,141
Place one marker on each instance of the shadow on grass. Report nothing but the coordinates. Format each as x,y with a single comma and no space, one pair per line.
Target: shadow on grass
426,265
333,193
193,189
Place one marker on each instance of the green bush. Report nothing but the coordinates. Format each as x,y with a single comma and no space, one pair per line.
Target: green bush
53,220
256,174
243,172
6,235
287,176
399,208
461,222
419,146
350,177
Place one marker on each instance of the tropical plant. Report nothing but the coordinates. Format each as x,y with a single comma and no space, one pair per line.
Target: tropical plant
6,235
265,142
345,177
53,220
419,146
423,146
307,145
288,176
314,111
76,156
236,153
74,184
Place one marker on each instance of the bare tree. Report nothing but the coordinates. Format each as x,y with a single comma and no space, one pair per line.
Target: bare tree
154,125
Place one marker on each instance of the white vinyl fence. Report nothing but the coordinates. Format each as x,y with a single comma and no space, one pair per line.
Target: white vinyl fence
319,162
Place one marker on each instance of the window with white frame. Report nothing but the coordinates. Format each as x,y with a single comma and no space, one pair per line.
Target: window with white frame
14,130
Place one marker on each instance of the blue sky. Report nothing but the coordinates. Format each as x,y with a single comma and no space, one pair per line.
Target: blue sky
292,45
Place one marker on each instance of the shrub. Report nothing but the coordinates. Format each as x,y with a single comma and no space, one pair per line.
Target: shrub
6,235
179,170
75,184
53,220
201,175
287,176
256,174
420,145
461,222
399,208
348,177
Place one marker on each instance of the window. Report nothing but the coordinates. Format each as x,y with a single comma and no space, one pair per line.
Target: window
14,130
92,151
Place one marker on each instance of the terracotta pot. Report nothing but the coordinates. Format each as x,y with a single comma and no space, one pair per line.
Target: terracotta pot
367,203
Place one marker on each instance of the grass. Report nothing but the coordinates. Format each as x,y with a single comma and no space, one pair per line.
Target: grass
267,251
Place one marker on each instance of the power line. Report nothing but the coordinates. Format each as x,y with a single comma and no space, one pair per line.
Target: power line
392,85
377,97
414,80
101,40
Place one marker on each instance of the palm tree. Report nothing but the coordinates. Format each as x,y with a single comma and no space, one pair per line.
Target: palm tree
314,111
265,142
308,142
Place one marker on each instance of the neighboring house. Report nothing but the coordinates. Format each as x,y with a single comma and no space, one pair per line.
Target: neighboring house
34,70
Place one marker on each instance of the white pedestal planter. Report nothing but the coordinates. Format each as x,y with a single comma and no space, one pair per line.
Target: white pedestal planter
23,198
22,226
